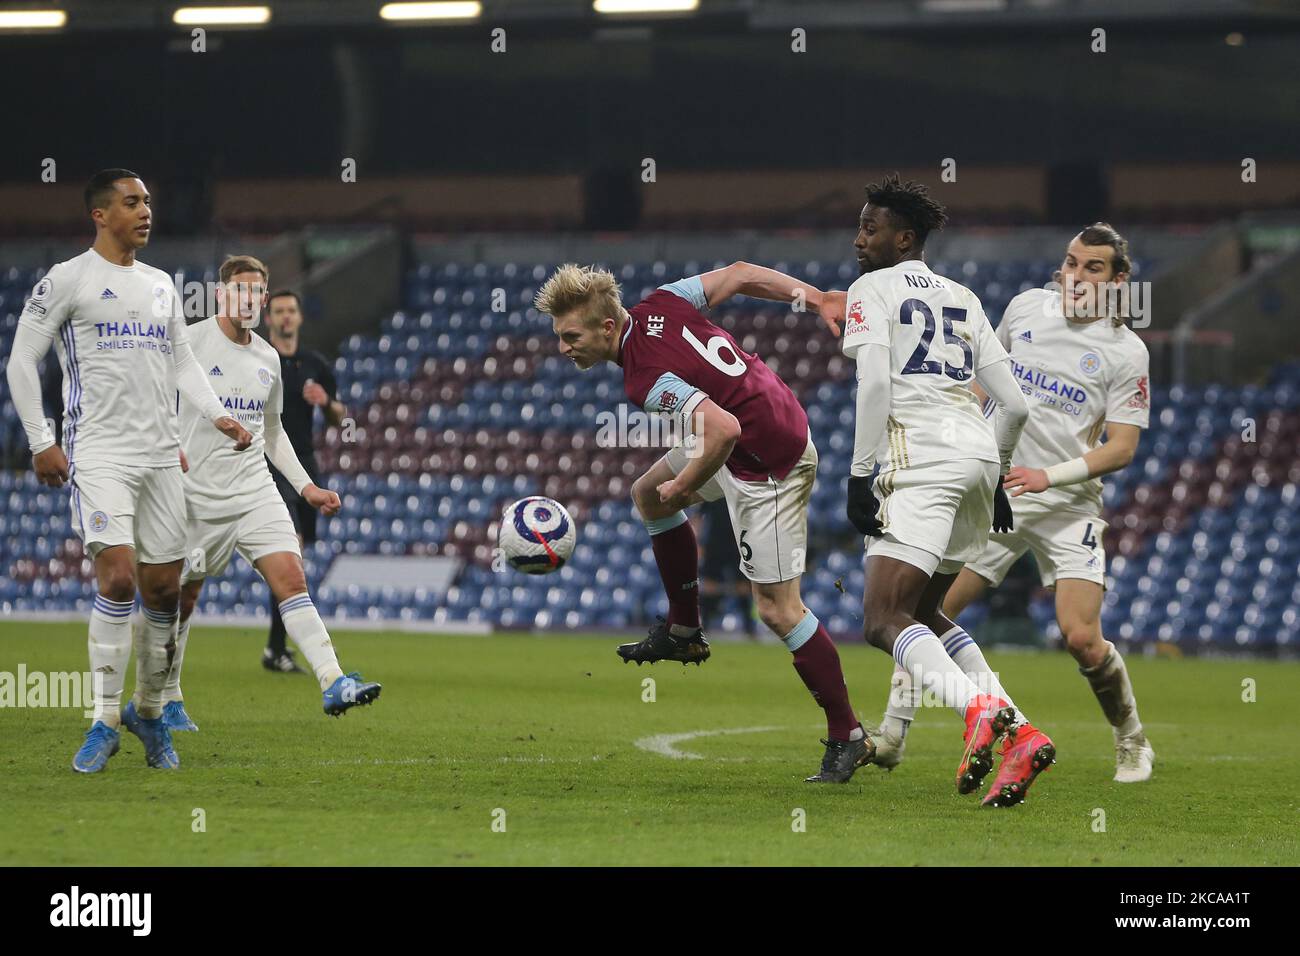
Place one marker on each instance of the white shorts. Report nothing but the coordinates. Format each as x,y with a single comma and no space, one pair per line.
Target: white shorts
769,518
936,516
267,529
143,508
1064,545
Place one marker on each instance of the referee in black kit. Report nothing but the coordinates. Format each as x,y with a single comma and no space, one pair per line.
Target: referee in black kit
308,383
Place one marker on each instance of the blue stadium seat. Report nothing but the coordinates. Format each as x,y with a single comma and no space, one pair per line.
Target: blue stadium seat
424,388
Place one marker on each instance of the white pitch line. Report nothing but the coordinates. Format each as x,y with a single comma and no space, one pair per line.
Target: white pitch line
665,744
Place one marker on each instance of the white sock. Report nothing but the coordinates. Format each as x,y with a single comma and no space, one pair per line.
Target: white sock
172,689
303,624
1109,681
155,641
918,651
901,707
109,648
966,654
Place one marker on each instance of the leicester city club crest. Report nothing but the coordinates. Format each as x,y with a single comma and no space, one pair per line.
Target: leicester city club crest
1090,363
264,376
162,300
98,521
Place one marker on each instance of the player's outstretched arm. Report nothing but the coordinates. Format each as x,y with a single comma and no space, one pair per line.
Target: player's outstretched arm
870,419
1116,453
236,432
281,454
997,380
745,278
712,439
872,407
322,499
193,384
1000,384
30,346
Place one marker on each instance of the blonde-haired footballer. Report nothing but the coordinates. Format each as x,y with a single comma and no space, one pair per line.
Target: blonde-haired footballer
232,500
1084,373
750,446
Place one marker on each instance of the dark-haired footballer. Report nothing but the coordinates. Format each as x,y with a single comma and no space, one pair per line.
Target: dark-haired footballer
920,342
750,445
1084,372
121,338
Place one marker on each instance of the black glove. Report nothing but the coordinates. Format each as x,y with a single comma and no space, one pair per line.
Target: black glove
862,506
1002,518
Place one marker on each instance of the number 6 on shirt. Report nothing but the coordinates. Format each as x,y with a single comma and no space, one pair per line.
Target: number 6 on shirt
712,353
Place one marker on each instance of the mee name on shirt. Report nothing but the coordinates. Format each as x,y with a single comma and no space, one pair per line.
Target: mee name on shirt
673,358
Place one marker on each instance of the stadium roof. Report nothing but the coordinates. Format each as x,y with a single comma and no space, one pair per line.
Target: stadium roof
94,15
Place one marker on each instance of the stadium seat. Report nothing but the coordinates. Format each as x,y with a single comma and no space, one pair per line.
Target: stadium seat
460,408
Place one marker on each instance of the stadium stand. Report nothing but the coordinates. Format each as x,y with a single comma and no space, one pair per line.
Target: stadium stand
459,409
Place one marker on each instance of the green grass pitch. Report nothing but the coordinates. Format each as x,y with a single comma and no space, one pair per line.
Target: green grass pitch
546,730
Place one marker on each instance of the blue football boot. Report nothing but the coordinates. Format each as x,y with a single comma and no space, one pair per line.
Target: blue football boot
175,718
155,736
102,741
349,691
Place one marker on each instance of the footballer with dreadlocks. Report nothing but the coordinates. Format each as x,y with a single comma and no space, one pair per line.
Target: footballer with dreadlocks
1084,373
921,341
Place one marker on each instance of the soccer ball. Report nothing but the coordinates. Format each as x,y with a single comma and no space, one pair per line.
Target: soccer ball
537,535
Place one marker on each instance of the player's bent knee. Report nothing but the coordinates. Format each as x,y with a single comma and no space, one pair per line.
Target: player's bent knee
288,584
116,576
778,620
161,596
780,612
646,499
118,585
1082,640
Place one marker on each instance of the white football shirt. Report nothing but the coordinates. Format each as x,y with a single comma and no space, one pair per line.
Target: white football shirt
938,338
1076,376
221,481
114,328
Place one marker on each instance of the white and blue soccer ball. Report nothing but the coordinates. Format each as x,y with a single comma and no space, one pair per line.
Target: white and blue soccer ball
537,535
